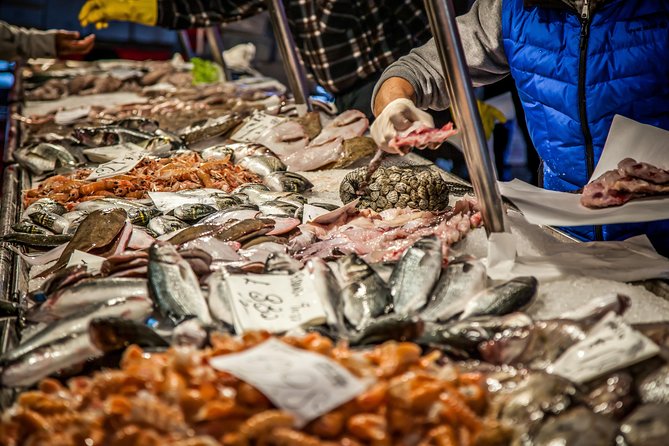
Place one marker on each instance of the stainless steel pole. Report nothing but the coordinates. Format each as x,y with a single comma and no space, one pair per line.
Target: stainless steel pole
215,41
184,40
465,112
291,62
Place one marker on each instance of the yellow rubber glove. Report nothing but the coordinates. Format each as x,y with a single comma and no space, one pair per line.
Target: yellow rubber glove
100,12
489,117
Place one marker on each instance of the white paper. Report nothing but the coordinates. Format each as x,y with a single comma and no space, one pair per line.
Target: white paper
627,138
274,302
310,212
610,345
168,201
92,262
110,153
256,125
72,115
124,163
303,383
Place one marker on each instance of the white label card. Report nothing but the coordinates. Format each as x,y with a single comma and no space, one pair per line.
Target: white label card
124,163
92,262
110,153
274,302
65,117
610,345
256,125
305,384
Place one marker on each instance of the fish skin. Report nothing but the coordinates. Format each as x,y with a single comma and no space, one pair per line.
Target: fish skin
462,279
164,224
108,203
389,327
365,295
287,182
36,240
502,299
45,204
193,212
262,165
53,222
61,354
28,227
219,298
72,299
245,230
114,333
131,307
174,286
415,275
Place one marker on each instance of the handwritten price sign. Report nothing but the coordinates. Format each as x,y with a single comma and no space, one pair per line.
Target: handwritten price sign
276,303
303,383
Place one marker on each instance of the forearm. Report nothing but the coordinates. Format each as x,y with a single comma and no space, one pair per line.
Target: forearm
176,14
16,42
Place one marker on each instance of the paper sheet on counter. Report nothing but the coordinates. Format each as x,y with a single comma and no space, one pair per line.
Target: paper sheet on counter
627,139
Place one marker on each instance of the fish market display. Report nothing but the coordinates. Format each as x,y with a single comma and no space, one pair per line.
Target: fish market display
629,181
177,397
396,187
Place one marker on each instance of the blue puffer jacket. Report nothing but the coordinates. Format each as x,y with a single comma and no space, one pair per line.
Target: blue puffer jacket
575,73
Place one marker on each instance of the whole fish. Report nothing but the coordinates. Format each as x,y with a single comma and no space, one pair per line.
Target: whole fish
174,286
209,128
196,232
109,136
53,222
219,298
502,299
364,293
225,201
389,327
218,152
164,224
63,353
29,227
84,293
278,208
262,165
45,204
287,182
244,149
415,275
261,239
45,157
245,230
142,216
109,203
36,240
328,291
240,212
65,277
193,212
130,308
462,279
115,333
98,230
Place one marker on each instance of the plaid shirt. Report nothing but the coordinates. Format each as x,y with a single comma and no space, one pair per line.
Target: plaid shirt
341,42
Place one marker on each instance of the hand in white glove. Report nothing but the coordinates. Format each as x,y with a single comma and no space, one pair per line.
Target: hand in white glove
400,116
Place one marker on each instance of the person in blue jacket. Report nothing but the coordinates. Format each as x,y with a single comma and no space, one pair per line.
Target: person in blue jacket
576,64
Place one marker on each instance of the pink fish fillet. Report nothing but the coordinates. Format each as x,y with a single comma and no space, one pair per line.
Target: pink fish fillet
350,124
284,139
422,137
315,155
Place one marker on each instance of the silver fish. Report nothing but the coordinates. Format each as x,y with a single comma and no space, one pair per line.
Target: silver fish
262,165
28,227
240,212
193,212
87,292
224,201
109,136
142,216
287,182
53,222
130,308
462,279
45,157
164,224
278,209
389,327
281,263
244,149
414,277
209,128
108,203
114,334
364,293
189,333
63,353
219,298
249,188
502,299
45,204
221,151
174,286
654,388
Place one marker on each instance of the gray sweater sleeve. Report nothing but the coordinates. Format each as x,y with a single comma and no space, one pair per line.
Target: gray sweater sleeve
481,34
16,42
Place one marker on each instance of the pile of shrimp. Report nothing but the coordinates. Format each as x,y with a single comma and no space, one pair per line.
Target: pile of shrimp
180,172
177,398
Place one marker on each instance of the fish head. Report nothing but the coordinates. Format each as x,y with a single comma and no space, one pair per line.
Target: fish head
164,252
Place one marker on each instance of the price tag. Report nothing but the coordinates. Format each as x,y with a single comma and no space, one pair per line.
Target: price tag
91,262
310,212
122,164
256,125
274,302
110,153
305,384
65,117
168,201
610,345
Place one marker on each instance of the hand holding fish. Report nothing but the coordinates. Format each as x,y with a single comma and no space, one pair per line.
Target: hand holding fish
399,117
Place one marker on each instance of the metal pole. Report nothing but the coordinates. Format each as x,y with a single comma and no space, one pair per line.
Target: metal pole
216,47
465,112
294,69
184,40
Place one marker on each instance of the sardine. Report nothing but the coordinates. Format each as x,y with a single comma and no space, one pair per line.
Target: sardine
462,279
174,286
164,224
131,308
28,227
191,213
389,327
262,165
365,294
415,275
53,222
37,364
84,293
502,299
115,333
36,240
287,182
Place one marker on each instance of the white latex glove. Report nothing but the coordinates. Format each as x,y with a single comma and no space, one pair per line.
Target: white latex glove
398,116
